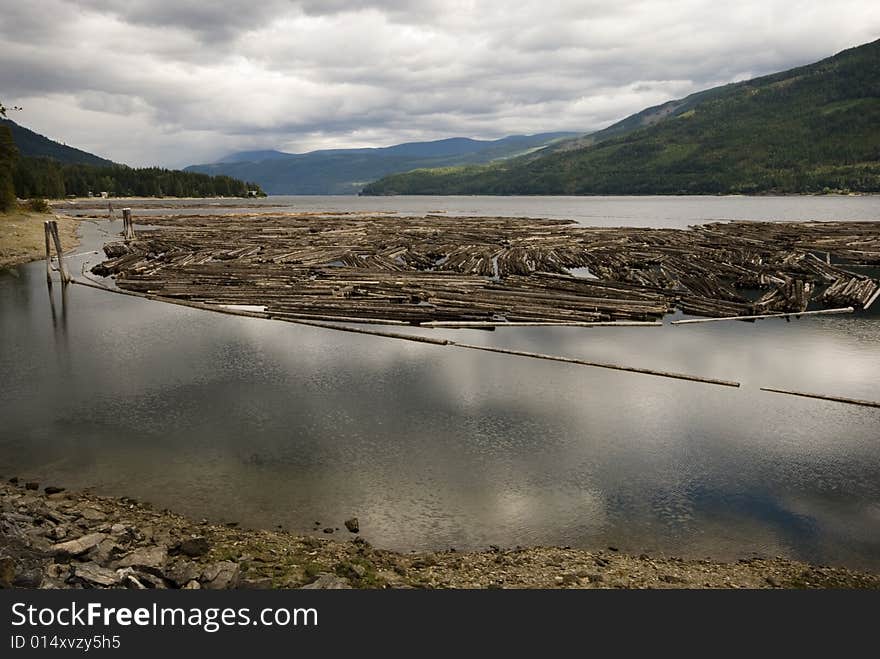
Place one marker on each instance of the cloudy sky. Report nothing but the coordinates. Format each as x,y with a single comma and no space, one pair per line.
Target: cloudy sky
175,82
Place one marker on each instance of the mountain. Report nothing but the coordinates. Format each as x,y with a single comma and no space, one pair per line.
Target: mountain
810,129
346,171
34,145
251,156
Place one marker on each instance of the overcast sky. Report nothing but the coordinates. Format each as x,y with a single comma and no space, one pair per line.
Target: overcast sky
176,82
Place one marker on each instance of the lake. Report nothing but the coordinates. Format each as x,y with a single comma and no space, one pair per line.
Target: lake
268,423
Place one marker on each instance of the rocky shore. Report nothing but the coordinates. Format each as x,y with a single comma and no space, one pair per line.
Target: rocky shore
52,538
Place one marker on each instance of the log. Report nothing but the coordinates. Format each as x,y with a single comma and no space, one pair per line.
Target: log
415,338
836,399
818,312
616,367
465,324
872,299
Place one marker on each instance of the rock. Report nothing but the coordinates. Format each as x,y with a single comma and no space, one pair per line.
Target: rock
79,545
559,580
129,579
221,576
326,581
182,572
329,529
773,581
7,571
152,581
58,533
118,529
145,557
570,579
264,583
195,547
105,552
672,578
193,585
93,515
57,571
51,489
32,578
32,485
352,525
96,575
14,480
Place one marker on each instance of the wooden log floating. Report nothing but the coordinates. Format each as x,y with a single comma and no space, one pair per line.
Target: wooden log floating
872,299
818,312
615,367
412,337
836,399
464,324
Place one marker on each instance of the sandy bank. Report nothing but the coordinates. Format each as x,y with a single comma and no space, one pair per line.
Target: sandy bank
22,238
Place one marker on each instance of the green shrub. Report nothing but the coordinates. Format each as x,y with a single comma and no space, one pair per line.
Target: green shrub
37,205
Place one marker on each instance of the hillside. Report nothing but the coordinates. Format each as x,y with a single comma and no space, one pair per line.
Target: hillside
32,165
31,144
810,129
346,171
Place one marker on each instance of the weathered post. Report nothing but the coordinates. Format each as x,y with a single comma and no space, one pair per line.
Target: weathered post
110,210
48,230
65,275
127,224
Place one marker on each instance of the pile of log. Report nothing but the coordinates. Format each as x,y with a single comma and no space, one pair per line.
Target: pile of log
440,268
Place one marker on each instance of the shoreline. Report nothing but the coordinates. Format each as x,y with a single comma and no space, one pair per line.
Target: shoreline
22,239
55,538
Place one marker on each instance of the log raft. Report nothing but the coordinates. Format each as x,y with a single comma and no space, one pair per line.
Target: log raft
440,271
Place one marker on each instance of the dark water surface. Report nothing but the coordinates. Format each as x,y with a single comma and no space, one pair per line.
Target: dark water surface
268,423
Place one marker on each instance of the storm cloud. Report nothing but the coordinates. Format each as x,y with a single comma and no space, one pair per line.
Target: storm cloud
175,82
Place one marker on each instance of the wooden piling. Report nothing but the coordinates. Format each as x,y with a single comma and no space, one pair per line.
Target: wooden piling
127,224
65,275
48,231
836,399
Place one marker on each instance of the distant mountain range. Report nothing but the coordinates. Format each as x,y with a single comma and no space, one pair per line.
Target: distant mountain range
34,145
811,129
346,171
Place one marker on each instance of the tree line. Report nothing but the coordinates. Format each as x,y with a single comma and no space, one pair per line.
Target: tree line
44,177
29,178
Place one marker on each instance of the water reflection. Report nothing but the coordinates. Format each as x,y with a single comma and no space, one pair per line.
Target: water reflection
270,423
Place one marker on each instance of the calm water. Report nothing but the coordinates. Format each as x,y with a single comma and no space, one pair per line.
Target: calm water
269,423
